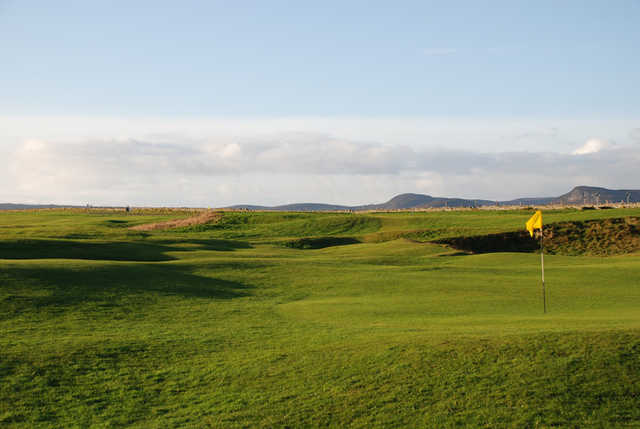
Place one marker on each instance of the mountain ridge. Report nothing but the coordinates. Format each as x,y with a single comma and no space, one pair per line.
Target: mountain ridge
579,195
17,206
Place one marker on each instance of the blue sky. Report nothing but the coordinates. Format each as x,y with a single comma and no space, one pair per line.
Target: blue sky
471,77
321,58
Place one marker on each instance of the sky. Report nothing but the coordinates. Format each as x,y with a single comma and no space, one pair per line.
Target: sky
352,102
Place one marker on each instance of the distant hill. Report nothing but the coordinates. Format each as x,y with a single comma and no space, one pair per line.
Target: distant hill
580,195
311,207
528,201
248,207
412,201
299,207
593,195
399,202
11,206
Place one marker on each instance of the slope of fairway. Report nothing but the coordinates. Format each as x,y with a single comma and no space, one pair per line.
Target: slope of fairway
478,294
225,327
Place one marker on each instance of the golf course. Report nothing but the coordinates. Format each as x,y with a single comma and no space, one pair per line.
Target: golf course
345,320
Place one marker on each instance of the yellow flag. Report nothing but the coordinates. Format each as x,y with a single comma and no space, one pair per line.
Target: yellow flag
535,222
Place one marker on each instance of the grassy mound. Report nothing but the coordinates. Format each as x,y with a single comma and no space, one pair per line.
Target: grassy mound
269,224
594,237
598,237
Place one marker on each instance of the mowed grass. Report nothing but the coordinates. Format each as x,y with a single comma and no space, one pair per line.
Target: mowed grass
223,326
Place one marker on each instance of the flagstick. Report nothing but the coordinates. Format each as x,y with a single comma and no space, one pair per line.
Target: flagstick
544,293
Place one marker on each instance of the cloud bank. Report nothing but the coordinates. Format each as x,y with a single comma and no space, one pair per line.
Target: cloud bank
295,167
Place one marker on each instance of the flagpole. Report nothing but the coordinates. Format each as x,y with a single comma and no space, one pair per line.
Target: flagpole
544,293
532,224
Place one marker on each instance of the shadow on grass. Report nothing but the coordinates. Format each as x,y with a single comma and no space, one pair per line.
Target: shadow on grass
148,251
211,244
116,223
29,288
319,242
446,255
516,241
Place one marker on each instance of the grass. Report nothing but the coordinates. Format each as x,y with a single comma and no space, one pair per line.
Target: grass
352,325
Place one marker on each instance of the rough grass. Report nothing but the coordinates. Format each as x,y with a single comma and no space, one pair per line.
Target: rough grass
596,237
207,217
192,328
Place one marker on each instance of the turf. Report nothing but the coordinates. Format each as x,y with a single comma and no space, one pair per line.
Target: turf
309,320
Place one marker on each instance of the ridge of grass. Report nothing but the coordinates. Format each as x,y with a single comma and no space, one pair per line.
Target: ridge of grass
595,237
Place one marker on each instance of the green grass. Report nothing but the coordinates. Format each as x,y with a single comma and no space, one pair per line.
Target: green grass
224,326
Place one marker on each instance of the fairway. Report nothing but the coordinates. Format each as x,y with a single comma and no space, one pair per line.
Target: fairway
271,319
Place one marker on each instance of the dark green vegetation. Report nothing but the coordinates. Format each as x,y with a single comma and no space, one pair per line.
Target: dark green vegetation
603,237
597,237
301,319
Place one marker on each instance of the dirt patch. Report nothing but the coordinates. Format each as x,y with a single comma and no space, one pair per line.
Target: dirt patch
206,217
594,237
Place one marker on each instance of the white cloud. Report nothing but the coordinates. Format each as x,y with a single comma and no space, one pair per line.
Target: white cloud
346,160
293,167
592,145
229,151
497,134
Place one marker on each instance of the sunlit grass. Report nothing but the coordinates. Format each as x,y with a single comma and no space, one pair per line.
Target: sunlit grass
223,326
